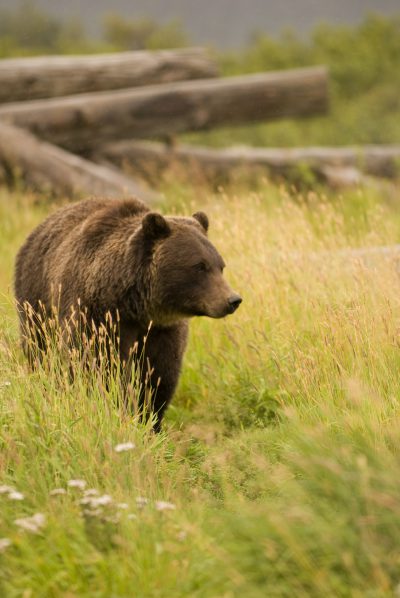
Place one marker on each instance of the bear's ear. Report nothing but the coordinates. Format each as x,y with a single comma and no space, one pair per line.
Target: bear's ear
203,219
155,226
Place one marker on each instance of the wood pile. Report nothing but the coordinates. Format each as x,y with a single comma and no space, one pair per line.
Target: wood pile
69,124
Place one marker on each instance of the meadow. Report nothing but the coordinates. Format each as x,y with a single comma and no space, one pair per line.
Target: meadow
277,473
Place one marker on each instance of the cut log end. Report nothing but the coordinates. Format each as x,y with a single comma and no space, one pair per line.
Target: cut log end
46,167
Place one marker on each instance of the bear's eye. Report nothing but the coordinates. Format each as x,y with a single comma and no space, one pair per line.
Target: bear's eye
201,267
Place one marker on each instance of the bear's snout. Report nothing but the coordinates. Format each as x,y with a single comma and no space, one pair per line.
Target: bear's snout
234,301
222,300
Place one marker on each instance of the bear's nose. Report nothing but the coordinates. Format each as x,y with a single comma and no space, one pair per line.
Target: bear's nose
234,302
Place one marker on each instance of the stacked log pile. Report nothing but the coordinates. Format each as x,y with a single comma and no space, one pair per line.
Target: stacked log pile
57,113
81,122
25,81
68,124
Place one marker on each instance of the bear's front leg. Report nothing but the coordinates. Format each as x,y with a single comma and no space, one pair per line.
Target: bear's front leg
163,354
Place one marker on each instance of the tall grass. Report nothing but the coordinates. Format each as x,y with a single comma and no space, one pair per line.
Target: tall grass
281,451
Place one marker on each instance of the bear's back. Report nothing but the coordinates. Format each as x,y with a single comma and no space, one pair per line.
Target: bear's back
70,229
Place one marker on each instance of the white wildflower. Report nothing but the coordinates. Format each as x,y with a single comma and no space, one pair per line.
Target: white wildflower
32,524
57,491
112,519
86,500
81,484
93,512
101,501
122,505
96,501
4,544
162,505
14,495
91,492
5,383
124,446
132,516
6,489
141,501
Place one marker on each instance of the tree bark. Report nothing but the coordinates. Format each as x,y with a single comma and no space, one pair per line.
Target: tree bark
24,79
339,166
82,122
46,167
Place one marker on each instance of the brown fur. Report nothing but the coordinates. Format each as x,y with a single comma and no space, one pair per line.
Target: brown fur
116,256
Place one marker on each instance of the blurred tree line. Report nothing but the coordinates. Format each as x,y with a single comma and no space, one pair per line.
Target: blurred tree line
28,31
364,63
364,66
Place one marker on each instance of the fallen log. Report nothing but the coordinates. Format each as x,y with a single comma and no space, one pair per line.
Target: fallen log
82,122
46,167
23,79
347,257
338,166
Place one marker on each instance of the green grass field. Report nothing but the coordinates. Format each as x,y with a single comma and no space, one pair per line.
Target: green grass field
280,452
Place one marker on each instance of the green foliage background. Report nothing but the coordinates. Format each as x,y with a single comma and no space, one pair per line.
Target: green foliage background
364,66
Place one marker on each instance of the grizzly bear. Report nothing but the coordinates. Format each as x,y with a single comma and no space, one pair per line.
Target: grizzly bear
149,272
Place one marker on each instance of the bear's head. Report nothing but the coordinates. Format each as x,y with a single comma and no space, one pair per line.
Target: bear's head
186,269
